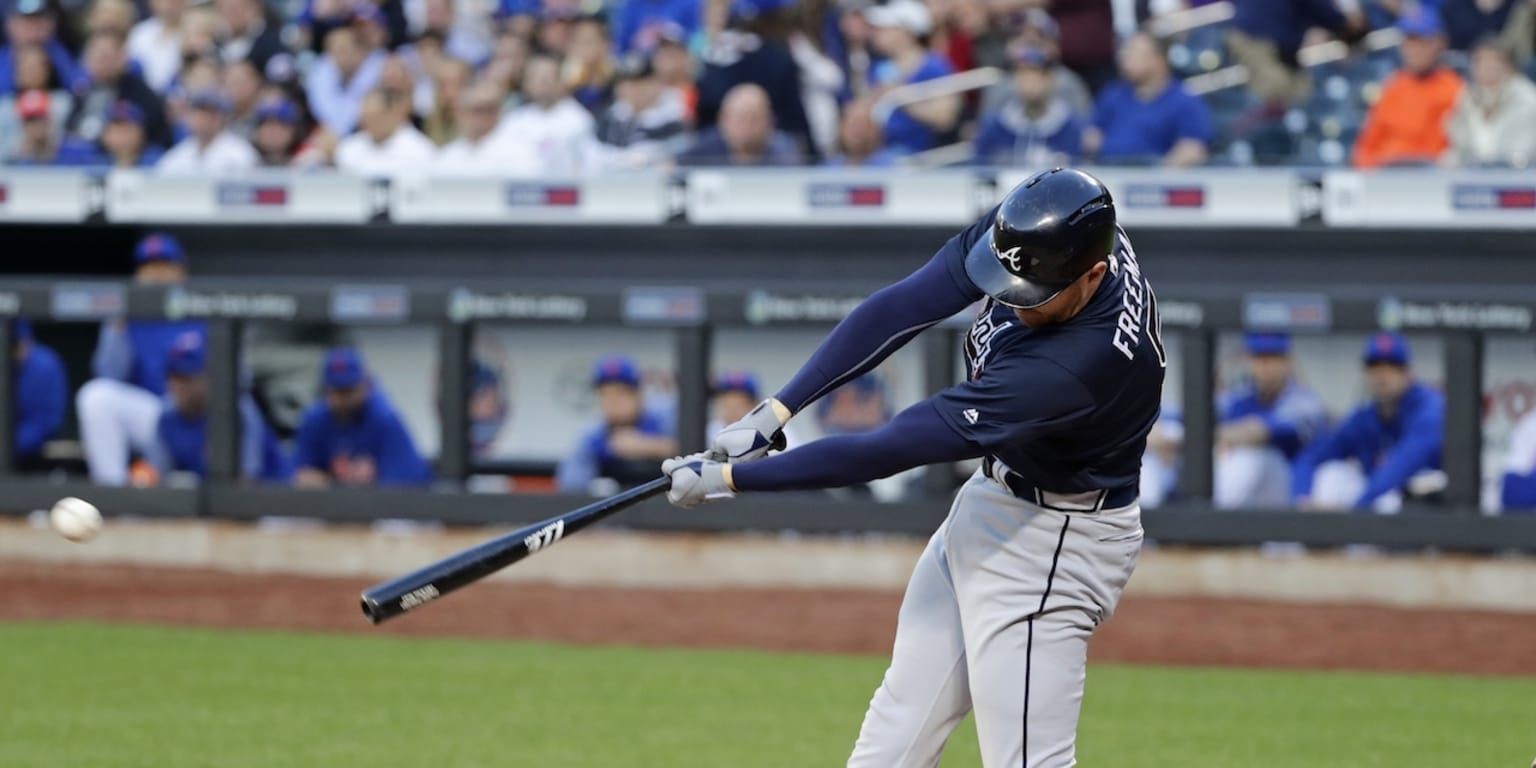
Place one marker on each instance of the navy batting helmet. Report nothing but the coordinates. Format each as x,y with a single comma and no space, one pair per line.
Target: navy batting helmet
1048,232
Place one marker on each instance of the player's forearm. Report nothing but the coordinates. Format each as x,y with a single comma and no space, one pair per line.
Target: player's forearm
875,329
1410,456
916,437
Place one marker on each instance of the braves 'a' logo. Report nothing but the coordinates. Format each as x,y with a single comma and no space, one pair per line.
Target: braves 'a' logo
1011,256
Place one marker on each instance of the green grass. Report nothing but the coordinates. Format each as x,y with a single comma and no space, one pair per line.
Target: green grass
84,695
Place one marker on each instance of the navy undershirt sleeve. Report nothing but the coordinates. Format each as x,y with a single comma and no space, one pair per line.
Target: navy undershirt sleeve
885,321
917,437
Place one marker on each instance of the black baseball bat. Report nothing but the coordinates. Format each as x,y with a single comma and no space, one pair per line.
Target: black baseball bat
413,590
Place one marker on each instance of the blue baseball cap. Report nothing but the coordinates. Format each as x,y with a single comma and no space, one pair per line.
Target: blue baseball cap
159,247
1420,23
187,356
737,381
1389,348
281,110
616,369
343,368
1268,344
125,112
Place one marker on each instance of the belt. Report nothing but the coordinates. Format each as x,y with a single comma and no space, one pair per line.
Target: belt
1083,502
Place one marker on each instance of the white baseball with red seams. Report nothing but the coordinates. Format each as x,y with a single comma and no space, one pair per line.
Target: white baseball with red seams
75,519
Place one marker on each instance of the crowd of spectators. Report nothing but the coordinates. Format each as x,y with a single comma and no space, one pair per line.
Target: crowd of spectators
555,87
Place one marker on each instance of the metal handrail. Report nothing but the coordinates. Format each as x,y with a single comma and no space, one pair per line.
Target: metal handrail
1181,21
948,85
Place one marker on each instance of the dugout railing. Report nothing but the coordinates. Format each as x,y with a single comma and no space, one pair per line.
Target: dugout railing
690,315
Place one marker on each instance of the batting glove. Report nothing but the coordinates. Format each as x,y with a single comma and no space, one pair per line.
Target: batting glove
754,435
697,479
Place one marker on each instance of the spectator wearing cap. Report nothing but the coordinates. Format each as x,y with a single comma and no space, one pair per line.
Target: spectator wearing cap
181,444
900,29
1267,34
248,37
106,80
860,144
353,436
119,409
1087,32
41,395
386,143
1036,128
1385,449
862,405
629,438
1148,117
155,43
37,142
551,125
745,137
1039,31
477,152
33,23
208,148
122,143
638,24
755,49
341,78
277,133
646,123
1264,423
1492,123
1517,484
1406,125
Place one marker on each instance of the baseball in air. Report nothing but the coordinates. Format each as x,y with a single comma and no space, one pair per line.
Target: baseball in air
75,519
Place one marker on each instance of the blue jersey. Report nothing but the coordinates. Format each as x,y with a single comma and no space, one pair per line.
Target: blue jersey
183,445
1390,451
326,443
1135,129
41,396
1293,419
592,457
1067,406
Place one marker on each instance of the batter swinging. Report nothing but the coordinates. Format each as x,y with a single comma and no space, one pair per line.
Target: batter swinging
1065,374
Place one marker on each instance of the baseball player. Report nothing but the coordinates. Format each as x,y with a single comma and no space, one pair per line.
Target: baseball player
41,391
1065,374
182,433
1265,422
353,436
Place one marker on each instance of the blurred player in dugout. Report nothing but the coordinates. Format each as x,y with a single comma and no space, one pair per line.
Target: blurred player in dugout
1264,423
182,434
40,396
119,410
353,436
628,441
1385,449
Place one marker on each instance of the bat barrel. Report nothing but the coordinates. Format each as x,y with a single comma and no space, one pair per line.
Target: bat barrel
392,598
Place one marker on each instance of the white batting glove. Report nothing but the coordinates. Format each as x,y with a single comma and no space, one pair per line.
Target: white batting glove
697,479
754,435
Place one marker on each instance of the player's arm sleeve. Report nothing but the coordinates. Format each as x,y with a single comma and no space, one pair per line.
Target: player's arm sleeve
885,321
1324,449
113,358
1296,425
917,437
1419,449
399,464
579,467
309,444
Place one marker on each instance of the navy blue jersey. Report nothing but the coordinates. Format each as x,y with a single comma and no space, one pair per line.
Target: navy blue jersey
1066,406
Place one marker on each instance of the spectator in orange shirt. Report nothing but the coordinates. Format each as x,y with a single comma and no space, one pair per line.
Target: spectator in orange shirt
1407,125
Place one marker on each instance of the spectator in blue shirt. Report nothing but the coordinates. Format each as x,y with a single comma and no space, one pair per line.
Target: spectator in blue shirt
338,82
1037,127
120,408
1264,423
745,137
636,24
1148,117
1517,488
353,437
628,441
900,30
1266,35
182,433
41,395
1394,441
28,23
